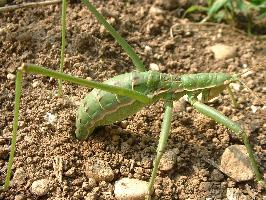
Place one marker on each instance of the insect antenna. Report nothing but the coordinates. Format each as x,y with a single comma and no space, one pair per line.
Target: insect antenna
251,91
240,80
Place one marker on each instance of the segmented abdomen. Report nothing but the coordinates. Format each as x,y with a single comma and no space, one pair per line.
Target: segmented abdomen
102,108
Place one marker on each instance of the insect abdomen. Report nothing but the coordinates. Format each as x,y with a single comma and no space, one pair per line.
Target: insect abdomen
198,81
102,108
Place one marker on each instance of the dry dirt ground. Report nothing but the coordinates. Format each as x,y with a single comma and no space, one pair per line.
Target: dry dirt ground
33,36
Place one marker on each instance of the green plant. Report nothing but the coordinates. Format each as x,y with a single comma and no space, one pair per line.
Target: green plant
229,10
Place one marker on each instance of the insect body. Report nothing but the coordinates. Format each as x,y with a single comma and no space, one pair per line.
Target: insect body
101,108
125,94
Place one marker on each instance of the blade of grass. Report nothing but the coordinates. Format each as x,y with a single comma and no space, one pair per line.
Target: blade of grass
63,44
216,7
194,9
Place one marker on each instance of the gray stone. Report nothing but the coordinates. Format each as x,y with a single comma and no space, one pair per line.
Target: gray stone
235,163
222,51
130,189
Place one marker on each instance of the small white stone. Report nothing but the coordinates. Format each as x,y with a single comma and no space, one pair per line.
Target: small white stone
147,49
235,194
185,97
50,117
70,172
130,189
20,197
245,65
35,84
222,51
254,108
40,187
236,86
235,163
11,76
154,67
154,10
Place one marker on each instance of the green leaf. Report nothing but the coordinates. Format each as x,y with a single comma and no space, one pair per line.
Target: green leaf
257,2
194,9
219,16
216,7
262,15
210,2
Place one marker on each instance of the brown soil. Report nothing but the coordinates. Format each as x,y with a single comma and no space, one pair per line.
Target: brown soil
33,36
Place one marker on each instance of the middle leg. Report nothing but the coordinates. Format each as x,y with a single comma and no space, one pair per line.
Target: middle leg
166,125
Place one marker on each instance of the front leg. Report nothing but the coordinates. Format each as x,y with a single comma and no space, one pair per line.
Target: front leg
166,125
233,126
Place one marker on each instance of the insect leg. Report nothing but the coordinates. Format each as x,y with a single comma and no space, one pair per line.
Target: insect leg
232,96
166,125
15,128
233,126
133,94
127,48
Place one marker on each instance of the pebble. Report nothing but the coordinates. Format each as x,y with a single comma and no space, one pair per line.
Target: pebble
179,106
99,170
254,108
35,84
168,160
40,187
50,117
11,76
222,51
147,49
20,197
236,86
235,163
235,194
154,67
130,189
154,10
70,172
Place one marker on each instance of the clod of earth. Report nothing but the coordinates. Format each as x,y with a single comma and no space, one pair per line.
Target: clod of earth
40,187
